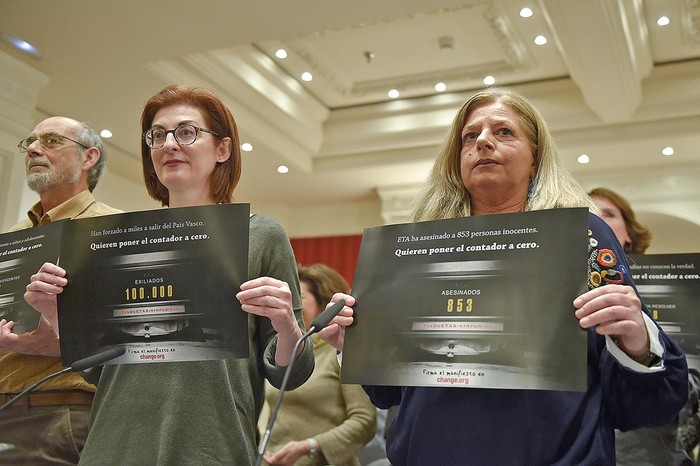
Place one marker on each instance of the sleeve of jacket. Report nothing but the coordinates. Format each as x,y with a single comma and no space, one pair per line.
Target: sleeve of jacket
271,255
383,396
633,399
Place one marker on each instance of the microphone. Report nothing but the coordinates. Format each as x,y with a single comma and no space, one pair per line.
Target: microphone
318,324
97,359
324,318
79,365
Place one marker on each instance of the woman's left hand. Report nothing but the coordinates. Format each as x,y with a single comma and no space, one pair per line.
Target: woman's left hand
272,298
615,310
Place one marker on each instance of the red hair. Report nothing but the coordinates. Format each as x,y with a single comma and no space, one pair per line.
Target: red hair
217,118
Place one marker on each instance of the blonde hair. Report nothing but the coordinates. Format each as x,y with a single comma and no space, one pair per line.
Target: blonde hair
443,195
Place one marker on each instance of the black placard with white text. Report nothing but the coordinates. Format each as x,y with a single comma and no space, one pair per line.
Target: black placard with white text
483,301
161,283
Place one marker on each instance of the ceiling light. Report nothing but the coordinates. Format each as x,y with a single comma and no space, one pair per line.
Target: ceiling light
281,53
667,151
525,13
246,147
21,45
105,133
540,40
282,169
489,80
393,93
663,21
440,87
583,158
306,76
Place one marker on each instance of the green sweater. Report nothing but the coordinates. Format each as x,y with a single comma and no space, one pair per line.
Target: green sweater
198,412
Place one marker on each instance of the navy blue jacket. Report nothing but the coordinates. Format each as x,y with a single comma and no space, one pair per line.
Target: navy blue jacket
471,426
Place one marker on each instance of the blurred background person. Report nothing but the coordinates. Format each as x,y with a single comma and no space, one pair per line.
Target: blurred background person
323,421
199,412
614,209
499,157
673,443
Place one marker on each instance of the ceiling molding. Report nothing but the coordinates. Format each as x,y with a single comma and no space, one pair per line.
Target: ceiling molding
516,57
603,57
691,22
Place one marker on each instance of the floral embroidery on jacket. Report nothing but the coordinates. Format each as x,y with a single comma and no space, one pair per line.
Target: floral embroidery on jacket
601,263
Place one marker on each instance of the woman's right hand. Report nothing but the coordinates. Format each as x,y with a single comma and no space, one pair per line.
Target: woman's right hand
334,333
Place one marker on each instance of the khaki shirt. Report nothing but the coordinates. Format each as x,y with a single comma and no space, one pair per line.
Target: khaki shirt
19,371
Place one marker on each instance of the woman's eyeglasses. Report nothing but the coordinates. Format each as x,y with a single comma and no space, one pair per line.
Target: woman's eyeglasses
185,134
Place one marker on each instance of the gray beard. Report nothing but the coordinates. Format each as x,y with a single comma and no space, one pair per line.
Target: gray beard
39,181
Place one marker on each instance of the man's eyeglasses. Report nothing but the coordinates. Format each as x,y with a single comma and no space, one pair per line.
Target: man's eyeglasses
48,140
185,134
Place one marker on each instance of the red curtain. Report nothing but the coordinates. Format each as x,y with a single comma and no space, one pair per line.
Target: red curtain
338,252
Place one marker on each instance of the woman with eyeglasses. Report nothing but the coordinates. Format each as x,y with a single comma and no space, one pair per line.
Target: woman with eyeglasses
202,412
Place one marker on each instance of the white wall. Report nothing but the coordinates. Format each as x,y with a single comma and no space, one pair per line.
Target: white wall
324,219
122,193
670,234
19,90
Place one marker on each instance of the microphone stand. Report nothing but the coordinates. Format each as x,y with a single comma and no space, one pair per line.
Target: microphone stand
79,365
317,325
33,386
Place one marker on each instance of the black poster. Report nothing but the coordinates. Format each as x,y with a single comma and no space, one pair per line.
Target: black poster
161,283
482,301
22,253
669,285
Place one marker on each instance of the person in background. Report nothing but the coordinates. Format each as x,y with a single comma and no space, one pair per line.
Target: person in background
614,209
200,412
654,446
500,158
64,161
323,421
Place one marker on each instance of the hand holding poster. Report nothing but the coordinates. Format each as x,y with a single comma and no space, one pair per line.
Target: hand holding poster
22,253
162,283
480,301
